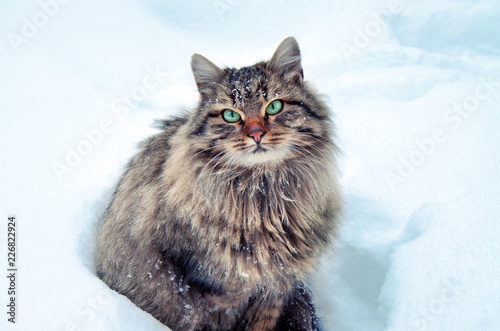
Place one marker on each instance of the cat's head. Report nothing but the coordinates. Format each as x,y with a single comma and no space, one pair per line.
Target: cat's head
257,115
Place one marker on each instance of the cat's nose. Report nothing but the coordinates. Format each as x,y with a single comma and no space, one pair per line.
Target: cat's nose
256,131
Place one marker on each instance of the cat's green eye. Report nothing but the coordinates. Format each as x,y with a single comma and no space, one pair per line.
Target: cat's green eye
231,116
274,107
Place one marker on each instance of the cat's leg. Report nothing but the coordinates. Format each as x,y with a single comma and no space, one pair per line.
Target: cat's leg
157,286
264,312
299,313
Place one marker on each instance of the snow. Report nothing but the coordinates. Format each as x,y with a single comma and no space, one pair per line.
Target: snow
415,90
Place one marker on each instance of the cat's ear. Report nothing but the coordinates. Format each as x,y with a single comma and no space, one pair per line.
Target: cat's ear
204,71
286,59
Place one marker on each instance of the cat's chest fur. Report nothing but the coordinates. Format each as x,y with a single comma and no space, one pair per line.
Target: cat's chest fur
248,226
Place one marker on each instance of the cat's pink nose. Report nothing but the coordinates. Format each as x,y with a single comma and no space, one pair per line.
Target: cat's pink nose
256,131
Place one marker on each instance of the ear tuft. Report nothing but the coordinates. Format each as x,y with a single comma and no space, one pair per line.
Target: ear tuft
204,71
287,59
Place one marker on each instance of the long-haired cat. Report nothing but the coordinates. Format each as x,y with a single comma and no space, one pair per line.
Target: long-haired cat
216,223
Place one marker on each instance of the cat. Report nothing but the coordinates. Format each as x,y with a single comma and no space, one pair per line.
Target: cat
219,219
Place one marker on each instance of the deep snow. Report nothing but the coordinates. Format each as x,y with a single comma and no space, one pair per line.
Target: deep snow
415,90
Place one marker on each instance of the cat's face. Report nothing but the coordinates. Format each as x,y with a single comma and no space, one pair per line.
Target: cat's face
257,115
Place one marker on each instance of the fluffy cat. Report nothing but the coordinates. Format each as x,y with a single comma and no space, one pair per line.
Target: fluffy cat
219,218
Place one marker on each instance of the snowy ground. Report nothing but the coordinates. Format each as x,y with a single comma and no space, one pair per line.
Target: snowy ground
416,92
